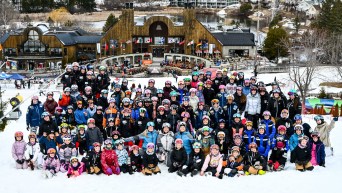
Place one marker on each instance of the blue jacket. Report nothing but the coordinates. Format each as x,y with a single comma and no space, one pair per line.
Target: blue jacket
80,117
263,143
199,115
136,114
222,97
248,136
230,110
246,90
320,152
270,129
187,140
147,137
182,93
294,141
122,156
34,113
46,144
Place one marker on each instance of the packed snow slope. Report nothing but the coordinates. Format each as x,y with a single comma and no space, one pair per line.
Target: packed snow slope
26,181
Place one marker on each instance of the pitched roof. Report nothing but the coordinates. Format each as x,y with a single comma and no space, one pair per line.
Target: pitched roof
4,38
235,38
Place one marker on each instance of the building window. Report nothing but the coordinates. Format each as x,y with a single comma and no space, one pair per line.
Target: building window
10,51
33,45
56,51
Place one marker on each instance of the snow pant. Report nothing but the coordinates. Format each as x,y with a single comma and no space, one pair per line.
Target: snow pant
250,169
174,168
165,157
125,168
64,167
302,166
136,168
213,170
194,169
111,169
151,169
21,166
82,147
230,172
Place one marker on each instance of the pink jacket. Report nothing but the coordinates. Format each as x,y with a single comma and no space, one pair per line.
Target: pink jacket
80,169
213,161
18,150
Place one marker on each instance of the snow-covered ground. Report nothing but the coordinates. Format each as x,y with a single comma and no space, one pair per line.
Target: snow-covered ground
16,181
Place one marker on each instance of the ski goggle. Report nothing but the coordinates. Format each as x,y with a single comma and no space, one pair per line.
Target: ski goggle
150,124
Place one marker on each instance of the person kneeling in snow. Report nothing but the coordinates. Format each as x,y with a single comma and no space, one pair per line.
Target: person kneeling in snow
234,162
109,159
32,152
178,158
213,162
254,162
18,150
51,164
122,156
301,155
150,161
279,152
135,159
317,150
93,160
75,167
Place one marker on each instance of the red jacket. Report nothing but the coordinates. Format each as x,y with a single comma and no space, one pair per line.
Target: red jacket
64,101
109,159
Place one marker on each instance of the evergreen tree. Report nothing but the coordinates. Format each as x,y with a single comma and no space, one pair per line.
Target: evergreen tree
322,94
111,21
273,45
330,16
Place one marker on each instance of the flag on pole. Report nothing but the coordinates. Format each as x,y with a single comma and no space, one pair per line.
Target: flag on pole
182,42
199,43
138,41
162,40
149,40
190,43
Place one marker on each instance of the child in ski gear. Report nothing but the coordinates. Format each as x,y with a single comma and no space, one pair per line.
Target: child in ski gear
135,159
237,141
81,140
278,156
185,136
248,134
18,150
213,162
32,153
49,141
109,159
66,151
165,143
317,150
222,142
93,133
262,141
51,164
122,156
324,130
222,95
178,158
150,135
93,160
253,106
196,160
307,130
294,138
215,112
301,155
150,161
270,129
206,140
286,121
233,162
237,126
75,168
254,163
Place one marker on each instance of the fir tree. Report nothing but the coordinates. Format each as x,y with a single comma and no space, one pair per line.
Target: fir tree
111,21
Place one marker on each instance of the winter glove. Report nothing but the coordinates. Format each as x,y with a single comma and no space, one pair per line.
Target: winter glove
117,170
335,118
68,175
109,171
285,155
198,161
19,161
175,164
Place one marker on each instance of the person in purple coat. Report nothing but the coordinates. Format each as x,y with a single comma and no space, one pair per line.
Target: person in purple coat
18,150
51,164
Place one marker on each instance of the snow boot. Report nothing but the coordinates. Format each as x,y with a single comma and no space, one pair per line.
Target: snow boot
261,172
194,172
180,173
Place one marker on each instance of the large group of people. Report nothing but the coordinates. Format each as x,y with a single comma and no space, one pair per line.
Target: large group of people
223,126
